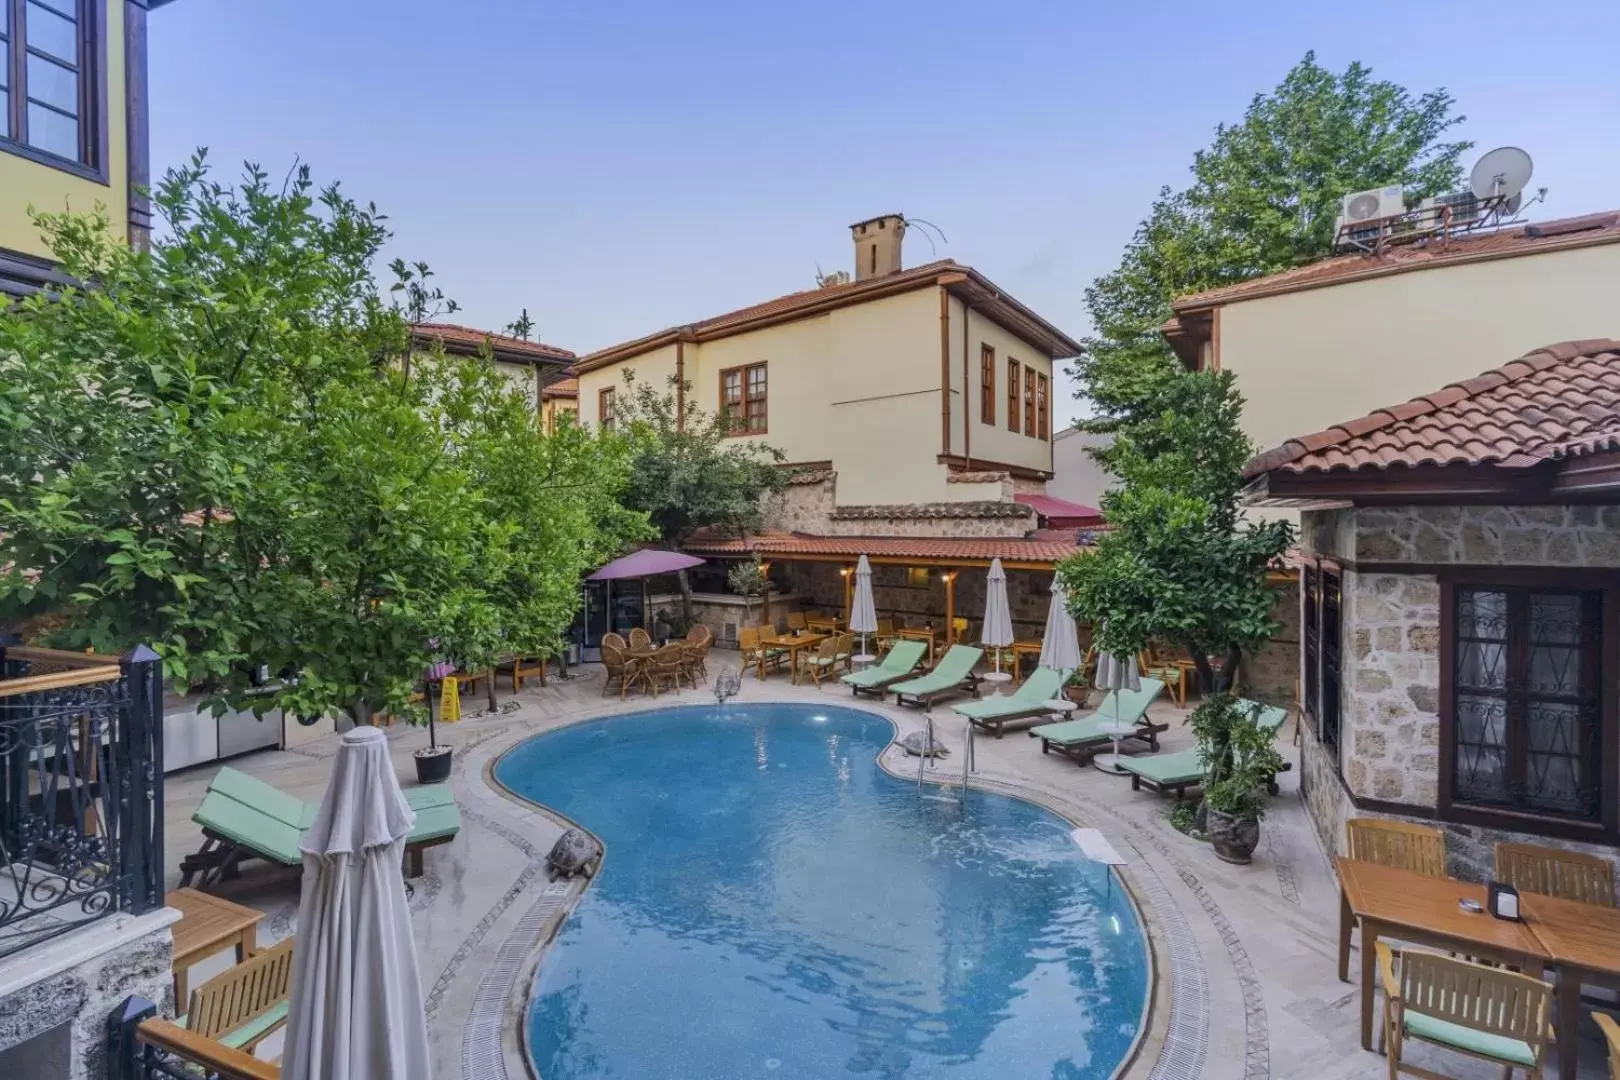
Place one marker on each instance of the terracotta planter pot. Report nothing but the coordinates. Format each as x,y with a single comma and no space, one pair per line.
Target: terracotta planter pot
1234,838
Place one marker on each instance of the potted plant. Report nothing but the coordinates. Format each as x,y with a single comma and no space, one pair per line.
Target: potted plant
747,580
1239,763
433,760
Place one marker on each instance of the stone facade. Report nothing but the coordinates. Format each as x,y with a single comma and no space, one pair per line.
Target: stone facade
805,505
108,963
1389,739
981,506
1268,674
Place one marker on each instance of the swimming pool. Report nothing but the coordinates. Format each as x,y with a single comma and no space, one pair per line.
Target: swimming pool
775,905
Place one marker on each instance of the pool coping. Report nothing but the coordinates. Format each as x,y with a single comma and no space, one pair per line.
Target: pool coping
535,933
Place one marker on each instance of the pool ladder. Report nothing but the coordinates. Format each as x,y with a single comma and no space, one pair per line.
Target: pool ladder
926,758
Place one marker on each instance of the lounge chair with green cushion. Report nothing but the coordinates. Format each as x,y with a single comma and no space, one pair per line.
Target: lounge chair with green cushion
244,818
954,672
1175,773
898,663
1042,686
1081,739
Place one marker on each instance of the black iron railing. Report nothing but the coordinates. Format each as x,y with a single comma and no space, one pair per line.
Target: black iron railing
81,791
143,1046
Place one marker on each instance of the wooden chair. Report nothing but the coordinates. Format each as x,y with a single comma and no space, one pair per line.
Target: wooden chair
886,636
616,641
1167,671
846,650
1483,1012
1611,1035
824,664
1567,875
667,665
621,670
244,1005
755,654
527,667
1398,844
796,621
639,638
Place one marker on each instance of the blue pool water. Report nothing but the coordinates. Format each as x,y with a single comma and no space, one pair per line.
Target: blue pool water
775,905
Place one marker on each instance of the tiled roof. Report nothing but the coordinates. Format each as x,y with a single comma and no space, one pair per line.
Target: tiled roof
946,272
1043,546
566,388
1529,239
977,508
1049,507
465,338
1559,401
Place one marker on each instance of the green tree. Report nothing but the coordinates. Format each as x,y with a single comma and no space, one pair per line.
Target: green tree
689,472
1264,197
1177,563
217,450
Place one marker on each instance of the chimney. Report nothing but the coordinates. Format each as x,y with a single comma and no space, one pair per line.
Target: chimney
877,245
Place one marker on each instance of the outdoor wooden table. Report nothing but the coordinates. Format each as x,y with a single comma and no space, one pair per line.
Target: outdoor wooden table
639,657
925,634
1583,941
795,644
207,925
1021,649
822,624
1417,908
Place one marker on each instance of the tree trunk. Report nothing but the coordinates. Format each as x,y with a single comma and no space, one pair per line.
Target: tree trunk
686,598
361,712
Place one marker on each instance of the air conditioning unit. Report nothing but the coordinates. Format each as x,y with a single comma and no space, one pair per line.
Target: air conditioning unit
1373,205
1464,207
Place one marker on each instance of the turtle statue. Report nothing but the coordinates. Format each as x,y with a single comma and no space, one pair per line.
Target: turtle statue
575,852
916,744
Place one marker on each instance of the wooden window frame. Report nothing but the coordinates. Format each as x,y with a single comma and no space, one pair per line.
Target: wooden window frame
987,384
1043,405
91,69
1321,648
1029,401
1014,368
1605,830
743,372
607,407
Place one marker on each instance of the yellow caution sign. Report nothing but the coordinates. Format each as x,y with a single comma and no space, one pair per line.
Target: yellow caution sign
449,701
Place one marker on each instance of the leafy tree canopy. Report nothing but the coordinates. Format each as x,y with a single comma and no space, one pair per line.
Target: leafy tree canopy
217,451
1264,197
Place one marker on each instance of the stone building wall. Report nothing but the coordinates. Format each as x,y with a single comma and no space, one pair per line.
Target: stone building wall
981,506
805,505
92,983
1268,675
1390,666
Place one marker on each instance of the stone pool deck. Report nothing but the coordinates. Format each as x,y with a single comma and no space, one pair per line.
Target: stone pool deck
1250,950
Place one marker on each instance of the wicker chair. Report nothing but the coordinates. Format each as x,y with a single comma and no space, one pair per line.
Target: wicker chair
692,666
886,636
1398,844
622,671
1567,875
614,640
846,650
1487,1013
667,665
639,638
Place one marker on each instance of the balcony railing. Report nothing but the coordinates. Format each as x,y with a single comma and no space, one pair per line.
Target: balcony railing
81,790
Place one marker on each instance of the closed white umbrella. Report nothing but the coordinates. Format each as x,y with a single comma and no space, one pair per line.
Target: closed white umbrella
998,627
1115,673
1060,645
863,613
355,1008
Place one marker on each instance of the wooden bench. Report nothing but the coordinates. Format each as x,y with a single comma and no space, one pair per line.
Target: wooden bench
243,1006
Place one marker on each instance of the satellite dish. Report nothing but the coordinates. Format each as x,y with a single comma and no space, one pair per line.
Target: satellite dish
1511,207
1501,173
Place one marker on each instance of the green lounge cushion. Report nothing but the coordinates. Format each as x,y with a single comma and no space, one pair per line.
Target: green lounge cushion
250,827
1042,686
1126,705
897,664
1181,767
1500,1047
253,1029
956,665
263,797
1268,718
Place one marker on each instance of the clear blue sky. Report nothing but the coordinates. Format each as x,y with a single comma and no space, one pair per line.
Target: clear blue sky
622,167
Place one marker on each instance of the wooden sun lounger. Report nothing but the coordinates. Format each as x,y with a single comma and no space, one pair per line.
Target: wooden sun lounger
1082,740
953,673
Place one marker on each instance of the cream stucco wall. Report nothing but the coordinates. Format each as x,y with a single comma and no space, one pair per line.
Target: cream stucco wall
1076,476
521,376
993,442
25,184
1308,360
858,386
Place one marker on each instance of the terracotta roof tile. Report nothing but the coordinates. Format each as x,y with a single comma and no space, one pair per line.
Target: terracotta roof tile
468,338
565,388
1043,546
1581,231
1559,401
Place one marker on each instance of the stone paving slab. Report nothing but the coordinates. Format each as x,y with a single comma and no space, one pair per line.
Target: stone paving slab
1263,999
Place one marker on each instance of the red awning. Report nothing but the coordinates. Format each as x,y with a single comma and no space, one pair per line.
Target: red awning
1061,513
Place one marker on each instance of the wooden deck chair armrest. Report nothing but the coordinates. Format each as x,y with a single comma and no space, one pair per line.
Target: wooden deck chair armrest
1386,971
216,1057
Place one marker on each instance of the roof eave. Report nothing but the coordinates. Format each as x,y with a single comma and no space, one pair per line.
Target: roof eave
970,285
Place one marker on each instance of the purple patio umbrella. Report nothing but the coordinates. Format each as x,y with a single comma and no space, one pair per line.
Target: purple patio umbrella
643,564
